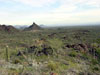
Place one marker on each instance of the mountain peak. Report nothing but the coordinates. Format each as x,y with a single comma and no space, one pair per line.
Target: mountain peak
34,26
34,23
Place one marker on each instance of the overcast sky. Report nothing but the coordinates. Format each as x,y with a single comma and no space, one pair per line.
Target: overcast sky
49,12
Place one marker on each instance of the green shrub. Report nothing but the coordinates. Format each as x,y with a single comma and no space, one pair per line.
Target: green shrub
56,44
73,54
98,41
98,51
53,65
85,56
95,45
16,61
95,68
94,61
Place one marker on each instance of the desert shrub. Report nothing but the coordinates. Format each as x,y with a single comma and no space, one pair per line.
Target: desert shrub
95,45
98,41
16,61
94,61
21,58
53,65
85,56
56,44
63,66
95,68
73,54
98,51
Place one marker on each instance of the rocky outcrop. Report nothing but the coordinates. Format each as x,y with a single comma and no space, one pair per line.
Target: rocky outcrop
36,51
80,47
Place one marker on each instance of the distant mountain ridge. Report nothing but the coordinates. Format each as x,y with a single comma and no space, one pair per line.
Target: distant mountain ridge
21,26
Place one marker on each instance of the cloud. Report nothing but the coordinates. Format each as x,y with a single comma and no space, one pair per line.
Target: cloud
41,3
67,12
65,9
94,3
82,17
76,2
33,3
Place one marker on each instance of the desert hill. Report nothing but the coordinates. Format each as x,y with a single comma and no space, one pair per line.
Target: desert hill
6,28
34,26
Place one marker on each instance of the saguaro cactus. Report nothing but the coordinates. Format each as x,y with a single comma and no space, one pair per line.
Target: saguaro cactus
7,54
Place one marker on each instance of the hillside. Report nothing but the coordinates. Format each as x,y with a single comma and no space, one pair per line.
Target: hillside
53,51
5,28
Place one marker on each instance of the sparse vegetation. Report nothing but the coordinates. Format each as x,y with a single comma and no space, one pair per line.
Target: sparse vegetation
63,51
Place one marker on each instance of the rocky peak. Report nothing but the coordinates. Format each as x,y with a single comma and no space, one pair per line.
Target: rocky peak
34,26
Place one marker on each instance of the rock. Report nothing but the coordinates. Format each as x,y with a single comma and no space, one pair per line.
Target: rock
31,49
80,47
84,46
54,74
26,73
52,35
20,53
72,72
46,50
69,46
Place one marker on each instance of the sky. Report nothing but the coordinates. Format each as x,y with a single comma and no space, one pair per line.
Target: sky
50,12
